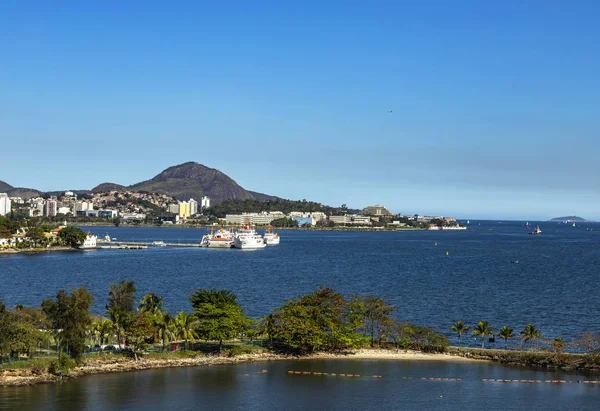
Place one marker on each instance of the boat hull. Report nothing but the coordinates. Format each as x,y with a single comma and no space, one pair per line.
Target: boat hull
249,244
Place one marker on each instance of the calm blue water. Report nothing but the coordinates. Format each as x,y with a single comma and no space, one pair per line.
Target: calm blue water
246,387
554,286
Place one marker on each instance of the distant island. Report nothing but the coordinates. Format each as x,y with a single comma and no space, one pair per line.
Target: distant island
571,218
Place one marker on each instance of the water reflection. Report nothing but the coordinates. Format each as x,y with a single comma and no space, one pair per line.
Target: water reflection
244,386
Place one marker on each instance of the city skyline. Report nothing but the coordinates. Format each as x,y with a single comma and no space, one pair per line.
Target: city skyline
480,111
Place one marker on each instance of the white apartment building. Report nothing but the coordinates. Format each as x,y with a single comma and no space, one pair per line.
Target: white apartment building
64,210
5,204
173,208
83,206
205,203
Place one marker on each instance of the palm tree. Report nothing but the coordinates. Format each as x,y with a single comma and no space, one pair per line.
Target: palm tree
164,324
482,330
184,326
150,303
530,334
120,306
506,333
103,330
459,327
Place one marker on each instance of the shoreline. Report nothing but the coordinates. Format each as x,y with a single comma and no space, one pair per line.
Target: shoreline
107,365
36,250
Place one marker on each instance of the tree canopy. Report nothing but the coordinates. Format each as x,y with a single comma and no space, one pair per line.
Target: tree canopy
220,316
69,316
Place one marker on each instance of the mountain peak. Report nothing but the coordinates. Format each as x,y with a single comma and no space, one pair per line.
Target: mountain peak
4,187
195,180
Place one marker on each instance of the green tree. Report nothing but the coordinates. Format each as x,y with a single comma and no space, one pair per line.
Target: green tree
184,328
151,303
220,316
376,318
460,327
103,330
36,235
321,320
69,316
165,328
482,329
506,333
5,232
418,337
529,334
267,326
121,298
72,236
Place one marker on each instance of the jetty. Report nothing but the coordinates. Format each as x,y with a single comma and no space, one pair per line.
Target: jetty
139,244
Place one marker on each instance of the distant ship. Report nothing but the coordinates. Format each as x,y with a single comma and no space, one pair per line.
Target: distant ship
536,231
271,238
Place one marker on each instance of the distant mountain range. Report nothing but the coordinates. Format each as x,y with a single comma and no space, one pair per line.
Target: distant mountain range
184,181
572,218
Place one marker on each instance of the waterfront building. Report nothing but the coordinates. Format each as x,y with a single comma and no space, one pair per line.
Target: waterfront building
5,204
50,208
315,216
262,218
376,210
184,209
304,221
173,208
107,213
351,219
193,206
89,242
205,202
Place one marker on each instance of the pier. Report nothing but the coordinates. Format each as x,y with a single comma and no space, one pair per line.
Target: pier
144,244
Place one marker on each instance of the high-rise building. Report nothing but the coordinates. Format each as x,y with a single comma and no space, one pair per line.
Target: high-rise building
184,209
50,208
193,206
5,205
83,206
173,208
205,202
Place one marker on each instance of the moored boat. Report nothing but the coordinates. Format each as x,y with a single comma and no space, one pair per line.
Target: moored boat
271,238
221,239
248,238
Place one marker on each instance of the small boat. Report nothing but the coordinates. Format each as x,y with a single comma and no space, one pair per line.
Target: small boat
271,238
515,262
574,225
536,231
468,222
159,244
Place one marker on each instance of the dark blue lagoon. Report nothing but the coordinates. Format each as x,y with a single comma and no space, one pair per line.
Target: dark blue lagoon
553,286
247,387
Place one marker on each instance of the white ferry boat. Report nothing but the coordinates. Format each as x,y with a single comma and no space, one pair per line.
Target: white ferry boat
248,238
221,239
271,238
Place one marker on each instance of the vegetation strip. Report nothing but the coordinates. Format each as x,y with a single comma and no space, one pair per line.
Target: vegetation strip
65,335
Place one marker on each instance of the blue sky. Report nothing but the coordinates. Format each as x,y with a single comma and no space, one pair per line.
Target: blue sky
495,104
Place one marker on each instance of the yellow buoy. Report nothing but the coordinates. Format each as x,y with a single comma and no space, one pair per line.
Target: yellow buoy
447,253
